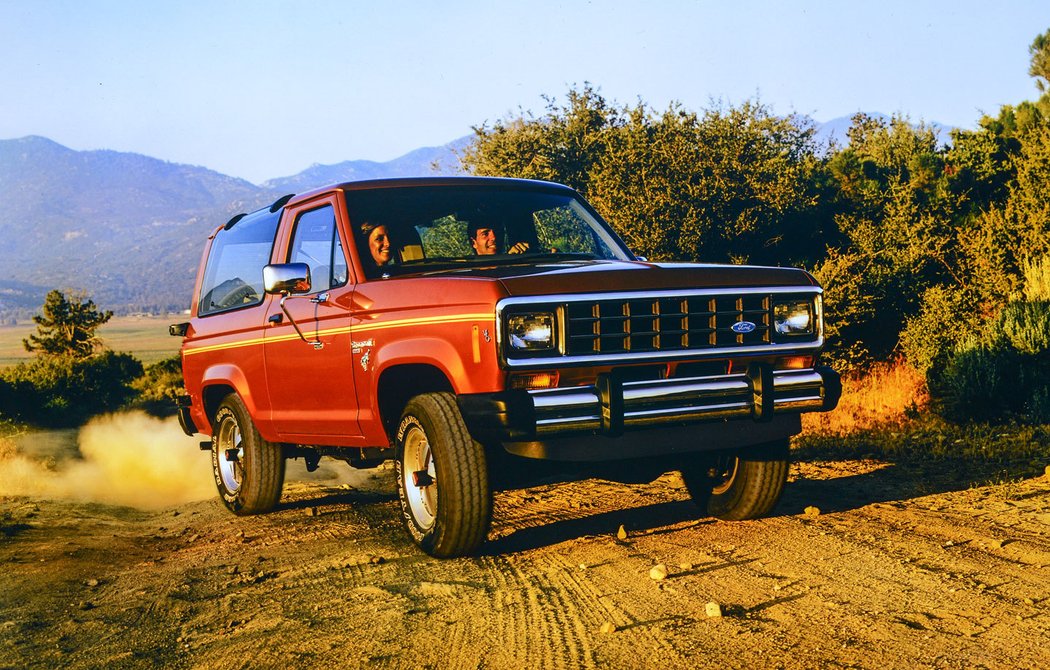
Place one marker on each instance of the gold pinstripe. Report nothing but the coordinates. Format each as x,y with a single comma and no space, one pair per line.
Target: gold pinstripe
358,328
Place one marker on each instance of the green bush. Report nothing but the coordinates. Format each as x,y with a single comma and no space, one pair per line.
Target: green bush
65,391
977,383
1026,326
948,317
159,384
1005,375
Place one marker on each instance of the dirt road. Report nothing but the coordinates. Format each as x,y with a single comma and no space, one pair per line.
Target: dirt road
901,568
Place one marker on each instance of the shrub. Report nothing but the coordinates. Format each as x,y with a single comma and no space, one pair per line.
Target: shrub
159,384
64,391
1026,327
978,383
1005,375
947,317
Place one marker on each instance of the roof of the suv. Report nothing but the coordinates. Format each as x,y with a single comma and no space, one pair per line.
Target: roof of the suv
410,182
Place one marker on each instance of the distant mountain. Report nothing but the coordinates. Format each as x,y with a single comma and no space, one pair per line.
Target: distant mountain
423,162
836,129
129,229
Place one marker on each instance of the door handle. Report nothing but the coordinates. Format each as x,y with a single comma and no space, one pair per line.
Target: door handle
275,318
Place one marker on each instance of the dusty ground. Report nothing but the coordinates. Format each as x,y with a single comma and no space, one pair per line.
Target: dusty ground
902,568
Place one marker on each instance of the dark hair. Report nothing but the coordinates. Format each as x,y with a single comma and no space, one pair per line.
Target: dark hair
368,226
475,225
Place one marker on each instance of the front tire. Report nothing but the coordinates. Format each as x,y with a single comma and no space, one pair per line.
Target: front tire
248,470
739,485
442,478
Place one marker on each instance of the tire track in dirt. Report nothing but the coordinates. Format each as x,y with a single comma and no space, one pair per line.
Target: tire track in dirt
546,618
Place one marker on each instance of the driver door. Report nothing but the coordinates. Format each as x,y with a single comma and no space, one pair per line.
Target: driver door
311,383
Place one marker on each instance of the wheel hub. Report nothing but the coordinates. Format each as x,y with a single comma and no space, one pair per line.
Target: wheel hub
420,486
722,474
231,453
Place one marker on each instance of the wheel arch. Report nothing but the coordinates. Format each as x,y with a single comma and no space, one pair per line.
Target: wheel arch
399,383
219,381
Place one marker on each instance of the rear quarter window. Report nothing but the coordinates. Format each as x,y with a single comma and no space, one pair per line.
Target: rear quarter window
233,276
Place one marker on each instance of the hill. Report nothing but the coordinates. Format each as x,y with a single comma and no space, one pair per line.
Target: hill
129,228
836,129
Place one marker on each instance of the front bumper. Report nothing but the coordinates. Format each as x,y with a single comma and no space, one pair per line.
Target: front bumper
612,405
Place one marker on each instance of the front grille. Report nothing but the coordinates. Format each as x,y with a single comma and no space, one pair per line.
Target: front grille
678,323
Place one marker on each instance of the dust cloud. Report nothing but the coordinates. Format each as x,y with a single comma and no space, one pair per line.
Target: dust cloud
129,459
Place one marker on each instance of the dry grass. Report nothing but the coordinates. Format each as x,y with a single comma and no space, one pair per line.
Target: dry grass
884,397
145,337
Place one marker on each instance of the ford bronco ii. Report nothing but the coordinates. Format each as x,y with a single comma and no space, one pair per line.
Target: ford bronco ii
447,323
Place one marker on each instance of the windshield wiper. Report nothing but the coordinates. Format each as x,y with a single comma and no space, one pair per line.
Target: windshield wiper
560,255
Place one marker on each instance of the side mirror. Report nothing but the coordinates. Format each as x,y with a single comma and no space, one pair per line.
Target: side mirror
286,278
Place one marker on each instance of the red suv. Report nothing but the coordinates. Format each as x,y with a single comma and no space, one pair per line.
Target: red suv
444,322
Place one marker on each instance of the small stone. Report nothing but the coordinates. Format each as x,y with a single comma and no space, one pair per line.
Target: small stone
583,566
376,560
92,583
658,572
713,609
1029,601
621,534
685,566
87,605
233,570
812,511
313,511
194,538
1047,471
608,627
777,587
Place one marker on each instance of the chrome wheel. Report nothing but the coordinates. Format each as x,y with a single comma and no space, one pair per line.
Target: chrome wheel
231,455
723,473
420,479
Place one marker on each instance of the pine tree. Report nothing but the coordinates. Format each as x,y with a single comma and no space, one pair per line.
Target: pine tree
67,326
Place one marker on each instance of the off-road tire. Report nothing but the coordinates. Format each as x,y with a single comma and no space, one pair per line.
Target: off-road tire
252,483
448,512
740,485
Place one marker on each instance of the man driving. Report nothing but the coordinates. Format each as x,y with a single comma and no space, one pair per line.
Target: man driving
485,239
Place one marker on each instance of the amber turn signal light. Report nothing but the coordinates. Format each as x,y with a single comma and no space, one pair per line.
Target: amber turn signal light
534,380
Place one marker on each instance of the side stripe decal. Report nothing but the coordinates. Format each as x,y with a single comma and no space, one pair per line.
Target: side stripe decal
358,328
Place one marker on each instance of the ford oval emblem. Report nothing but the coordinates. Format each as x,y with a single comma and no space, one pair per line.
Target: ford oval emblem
743,327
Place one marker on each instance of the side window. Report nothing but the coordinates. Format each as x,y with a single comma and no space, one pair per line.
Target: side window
316,242
233,276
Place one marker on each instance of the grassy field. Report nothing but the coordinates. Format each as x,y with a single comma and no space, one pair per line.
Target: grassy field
145,337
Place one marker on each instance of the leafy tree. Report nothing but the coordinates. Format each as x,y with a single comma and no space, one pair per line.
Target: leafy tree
1039,50
732,184
67,326
895,215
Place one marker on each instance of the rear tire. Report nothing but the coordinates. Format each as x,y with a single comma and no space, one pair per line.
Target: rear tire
248,470
442,478
739,485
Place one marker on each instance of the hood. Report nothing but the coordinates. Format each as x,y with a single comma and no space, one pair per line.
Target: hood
599,276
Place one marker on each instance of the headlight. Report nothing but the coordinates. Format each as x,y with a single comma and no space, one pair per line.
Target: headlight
794,317
531,332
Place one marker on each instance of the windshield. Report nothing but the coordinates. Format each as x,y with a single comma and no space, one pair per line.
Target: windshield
419,228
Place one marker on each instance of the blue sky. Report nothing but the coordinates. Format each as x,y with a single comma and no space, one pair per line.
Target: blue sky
264,89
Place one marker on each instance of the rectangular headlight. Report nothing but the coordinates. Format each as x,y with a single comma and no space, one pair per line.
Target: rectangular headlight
794,317
531,331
